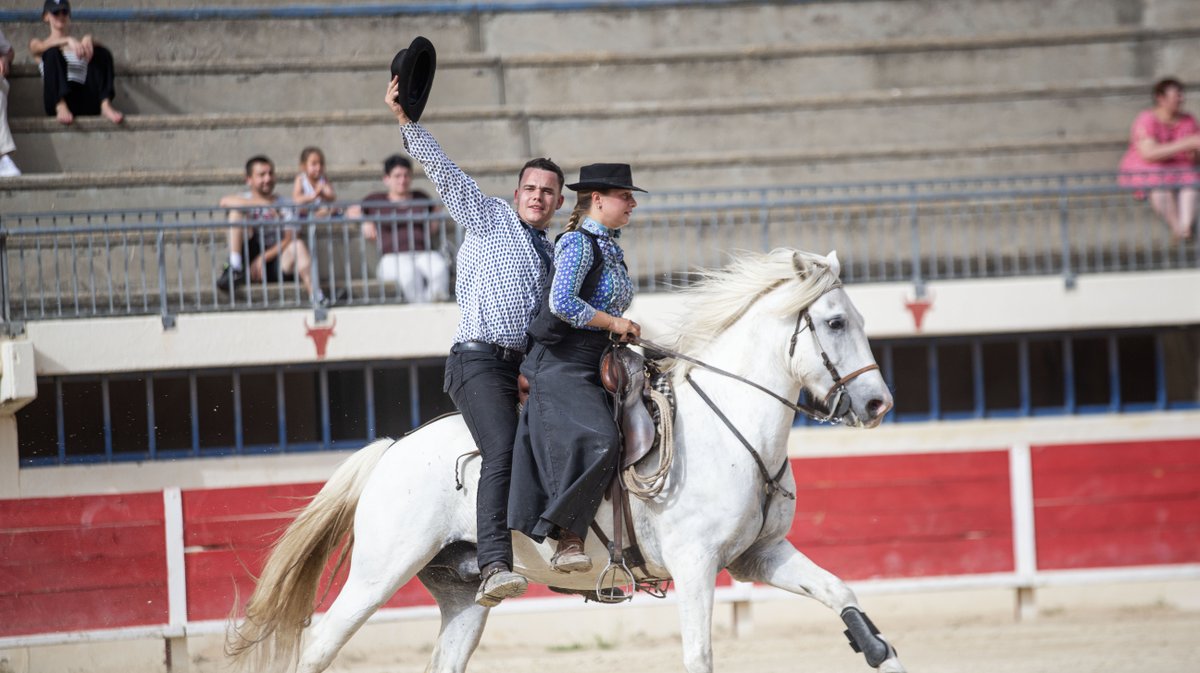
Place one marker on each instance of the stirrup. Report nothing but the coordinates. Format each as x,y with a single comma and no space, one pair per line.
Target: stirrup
615,584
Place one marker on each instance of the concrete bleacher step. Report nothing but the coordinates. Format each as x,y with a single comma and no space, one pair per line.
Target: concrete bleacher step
687,168
254,86
751,72
568,27
818,122
719,94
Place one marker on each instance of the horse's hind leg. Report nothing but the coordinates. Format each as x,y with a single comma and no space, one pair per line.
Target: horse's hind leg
357,601
782,565
462,619
377,569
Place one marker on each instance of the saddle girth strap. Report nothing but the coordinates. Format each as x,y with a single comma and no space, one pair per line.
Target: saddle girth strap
615,552
636,558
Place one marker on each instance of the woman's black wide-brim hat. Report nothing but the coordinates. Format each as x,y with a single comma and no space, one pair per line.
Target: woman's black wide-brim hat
415,67
605,176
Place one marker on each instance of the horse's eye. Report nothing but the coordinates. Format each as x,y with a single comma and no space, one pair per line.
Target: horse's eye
837,323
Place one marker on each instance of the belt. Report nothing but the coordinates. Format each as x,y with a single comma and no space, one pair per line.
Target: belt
499,352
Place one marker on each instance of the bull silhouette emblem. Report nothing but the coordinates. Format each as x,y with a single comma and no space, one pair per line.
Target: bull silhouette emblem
320,335
919,306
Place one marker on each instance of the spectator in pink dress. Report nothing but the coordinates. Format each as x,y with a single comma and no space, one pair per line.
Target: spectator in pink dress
1163,146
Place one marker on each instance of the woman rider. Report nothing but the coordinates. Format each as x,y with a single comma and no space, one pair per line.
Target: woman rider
567,444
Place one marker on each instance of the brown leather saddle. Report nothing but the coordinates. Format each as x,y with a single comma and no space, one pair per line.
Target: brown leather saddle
624,375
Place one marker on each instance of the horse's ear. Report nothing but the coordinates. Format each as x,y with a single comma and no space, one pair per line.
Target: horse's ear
808,265
804,268
834,265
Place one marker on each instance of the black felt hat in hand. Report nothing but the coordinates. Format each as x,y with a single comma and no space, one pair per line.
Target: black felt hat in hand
605,176
415,67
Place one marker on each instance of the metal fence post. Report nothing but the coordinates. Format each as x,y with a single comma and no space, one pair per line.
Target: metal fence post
5,310
320,312
168,320
1064,220
764,220
914,224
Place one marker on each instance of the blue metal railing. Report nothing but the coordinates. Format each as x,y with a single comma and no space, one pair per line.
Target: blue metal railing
167,261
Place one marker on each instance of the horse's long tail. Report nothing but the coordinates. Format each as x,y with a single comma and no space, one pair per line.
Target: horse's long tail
282,603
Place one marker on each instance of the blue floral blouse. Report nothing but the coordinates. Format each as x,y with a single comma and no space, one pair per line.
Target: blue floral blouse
572,260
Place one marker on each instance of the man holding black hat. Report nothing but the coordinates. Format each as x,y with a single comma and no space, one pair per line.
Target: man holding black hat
502,268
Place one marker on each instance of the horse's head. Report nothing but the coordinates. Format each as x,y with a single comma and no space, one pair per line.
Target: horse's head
828,352
742,316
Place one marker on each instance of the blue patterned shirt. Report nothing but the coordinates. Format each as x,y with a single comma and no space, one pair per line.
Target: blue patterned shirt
500,276
572,260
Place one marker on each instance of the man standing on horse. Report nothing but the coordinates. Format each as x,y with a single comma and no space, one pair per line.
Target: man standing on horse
502,268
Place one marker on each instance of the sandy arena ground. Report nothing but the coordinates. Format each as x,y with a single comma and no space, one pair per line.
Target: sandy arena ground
1130,628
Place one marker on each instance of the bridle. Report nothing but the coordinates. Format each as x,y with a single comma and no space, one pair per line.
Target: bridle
835,410
841,403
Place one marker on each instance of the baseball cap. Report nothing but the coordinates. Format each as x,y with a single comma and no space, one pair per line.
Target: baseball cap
56,6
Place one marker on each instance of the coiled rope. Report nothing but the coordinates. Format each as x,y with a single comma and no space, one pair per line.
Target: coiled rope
647,486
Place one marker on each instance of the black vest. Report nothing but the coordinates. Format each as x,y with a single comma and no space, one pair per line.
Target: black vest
549,329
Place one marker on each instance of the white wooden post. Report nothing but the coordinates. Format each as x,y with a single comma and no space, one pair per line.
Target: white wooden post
176,631
1020,472
743,618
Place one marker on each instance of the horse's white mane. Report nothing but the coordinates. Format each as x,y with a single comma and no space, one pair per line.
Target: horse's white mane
723,295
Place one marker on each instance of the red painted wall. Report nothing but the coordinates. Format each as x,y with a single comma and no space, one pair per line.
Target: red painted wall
95,562
70,564
913,515
228,533
1118,504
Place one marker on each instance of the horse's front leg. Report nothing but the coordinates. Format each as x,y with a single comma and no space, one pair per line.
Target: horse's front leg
782,565
695,581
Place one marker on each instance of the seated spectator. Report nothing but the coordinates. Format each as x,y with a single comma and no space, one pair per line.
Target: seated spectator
269,244
8,169
1163,146
406,242
77,74
311,187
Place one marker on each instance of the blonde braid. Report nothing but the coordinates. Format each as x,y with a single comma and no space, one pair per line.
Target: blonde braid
583,204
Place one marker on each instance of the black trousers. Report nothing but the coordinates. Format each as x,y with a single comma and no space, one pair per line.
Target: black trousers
82,99
484,388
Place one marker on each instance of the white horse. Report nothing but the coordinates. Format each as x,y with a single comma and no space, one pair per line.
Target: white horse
400,501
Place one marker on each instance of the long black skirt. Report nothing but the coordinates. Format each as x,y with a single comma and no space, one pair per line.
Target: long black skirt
567,443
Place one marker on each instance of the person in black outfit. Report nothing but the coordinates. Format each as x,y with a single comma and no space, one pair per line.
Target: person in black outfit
77,74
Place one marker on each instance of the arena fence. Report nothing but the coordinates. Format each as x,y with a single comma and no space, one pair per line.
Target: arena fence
168,565
167,261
